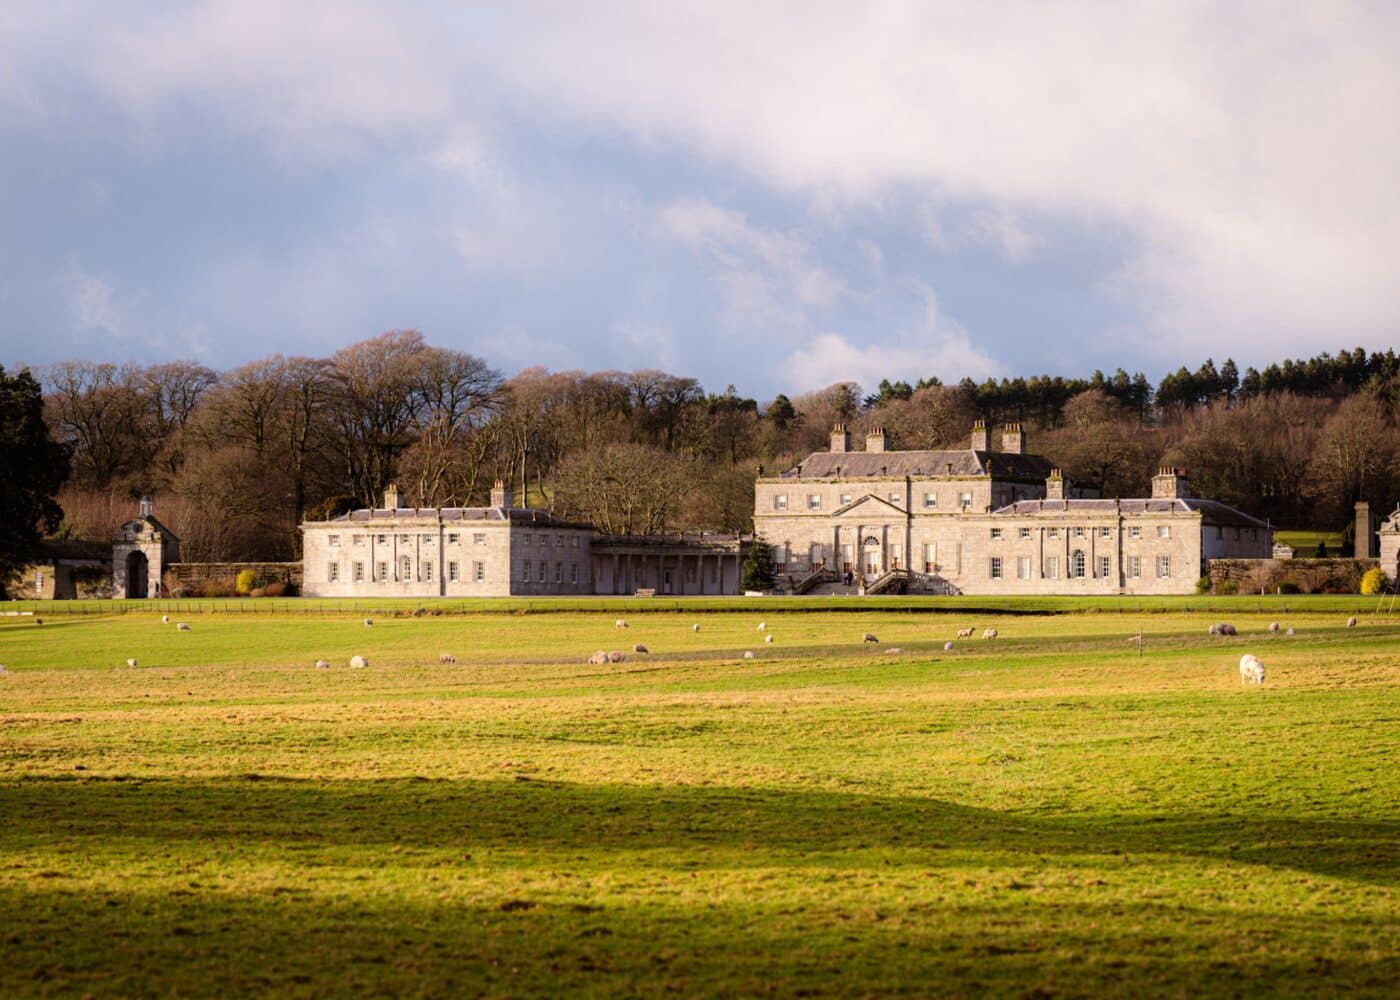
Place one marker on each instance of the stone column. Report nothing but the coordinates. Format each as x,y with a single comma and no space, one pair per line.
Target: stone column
1361,545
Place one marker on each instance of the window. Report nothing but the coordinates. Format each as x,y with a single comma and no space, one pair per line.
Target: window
1105,532
1134,567
558,572
333,541
896,498
1164,531
1164,566
1077,564
996,567
1023,567
1135,531
930,557
544,571
333,571
814,501
381,539
357,539
479,572
1105,566
454,539
574,540
358,574
427,571
527,538
1052,533
780,501
996,532
452,572
1078,532
403,539
1052,567
964,500
558,541
39,582
405,568
845,499
428,539
1023,532
1237,534
896,555
930,501
573,572
525,570
479,538
381,570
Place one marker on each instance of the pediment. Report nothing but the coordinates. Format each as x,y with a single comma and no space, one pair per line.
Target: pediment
870,506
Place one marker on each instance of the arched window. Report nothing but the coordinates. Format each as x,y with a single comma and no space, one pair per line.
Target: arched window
1076,563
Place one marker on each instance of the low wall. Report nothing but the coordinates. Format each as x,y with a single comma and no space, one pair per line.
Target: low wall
194,579
1310,576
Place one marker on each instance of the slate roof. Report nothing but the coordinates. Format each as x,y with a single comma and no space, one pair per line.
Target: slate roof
517,515
1212,512
955,462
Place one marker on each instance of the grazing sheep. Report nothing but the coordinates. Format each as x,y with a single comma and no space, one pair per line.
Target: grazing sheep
948,646
616,656
620,623
893,650
182,626
1223,628
1273,628
599,656
1351,622
965,633
768,639
989,633
695,627
763,626
323,665
369,622
748,654
639,648
165,619
1289,631
358,661
447,658
1251,669
38,621
870,637
131,662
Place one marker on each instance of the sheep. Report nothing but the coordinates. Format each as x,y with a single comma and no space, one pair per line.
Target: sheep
1251,669
695,627
639,648
182,626
620,623
165,619
38,621
447,658
369,623
948,646
894,650
870,637
763,626
599,656
1290,631
989,633
131,662
358,661
616,656
323,665
1223,628
1273,628
768,639
1351,622
965,633
748,654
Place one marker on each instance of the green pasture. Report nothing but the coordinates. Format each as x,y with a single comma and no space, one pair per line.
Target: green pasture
1062,811
1305,542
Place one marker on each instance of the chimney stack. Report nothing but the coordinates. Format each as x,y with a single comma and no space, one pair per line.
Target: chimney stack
981,440
1013,439
840,439
875,440
1055,485
501,496
1170,484
391,497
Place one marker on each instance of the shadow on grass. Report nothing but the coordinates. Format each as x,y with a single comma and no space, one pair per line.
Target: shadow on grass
757,826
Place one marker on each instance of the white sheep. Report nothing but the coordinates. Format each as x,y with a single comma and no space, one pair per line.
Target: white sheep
948,646
1223,628
358,661
620,623
1251,669
323,665
1351,622
165,619
599,656
748,654
182,626
1290,631
989,633
768,639
695,627
965,633
1274,627
763,626
131,662
369,622
447,658
639,648
894,650
870,637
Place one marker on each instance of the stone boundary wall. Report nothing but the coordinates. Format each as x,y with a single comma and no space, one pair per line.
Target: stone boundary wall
1311,576
194,578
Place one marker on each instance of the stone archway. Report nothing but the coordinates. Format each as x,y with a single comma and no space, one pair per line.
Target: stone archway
137,575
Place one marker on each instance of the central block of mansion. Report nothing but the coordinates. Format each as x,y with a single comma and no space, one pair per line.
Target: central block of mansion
978,521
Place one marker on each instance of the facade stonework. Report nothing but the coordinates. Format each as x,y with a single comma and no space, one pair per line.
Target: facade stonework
976,521
1389,547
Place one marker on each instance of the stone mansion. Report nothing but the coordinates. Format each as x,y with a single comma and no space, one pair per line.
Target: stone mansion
979,521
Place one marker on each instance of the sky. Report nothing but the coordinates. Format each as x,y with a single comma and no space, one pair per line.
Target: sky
775,196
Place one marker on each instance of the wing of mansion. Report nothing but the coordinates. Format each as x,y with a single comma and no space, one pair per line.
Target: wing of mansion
961,521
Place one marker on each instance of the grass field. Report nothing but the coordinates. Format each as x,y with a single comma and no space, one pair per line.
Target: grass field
1305,542
1053,813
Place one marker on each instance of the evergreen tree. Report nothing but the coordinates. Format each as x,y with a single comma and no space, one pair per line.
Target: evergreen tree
757,571
32,468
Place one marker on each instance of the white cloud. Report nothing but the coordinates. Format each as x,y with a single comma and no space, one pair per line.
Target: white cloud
1003,231
126,320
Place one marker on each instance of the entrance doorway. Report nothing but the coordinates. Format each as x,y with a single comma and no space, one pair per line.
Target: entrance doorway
137,582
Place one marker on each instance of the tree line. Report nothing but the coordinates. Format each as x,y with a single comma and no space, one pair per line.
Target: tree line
237,459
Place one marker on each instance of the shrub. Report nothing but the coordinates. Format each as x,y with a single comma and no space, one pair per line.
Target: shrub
1373,581
1203,585
1289,587
275,589
258,592
1228,587
246,581
210,589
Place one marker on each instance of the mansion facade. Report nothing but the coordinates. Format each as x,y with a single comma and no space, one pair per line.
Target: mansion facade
979,521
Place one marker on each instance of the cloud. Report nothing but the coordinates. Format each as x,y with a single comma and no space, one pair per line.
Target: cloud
97,308
1002,231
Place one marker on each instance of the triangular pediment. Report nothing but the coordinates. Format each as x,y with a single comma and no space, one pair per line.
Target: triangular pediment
870,506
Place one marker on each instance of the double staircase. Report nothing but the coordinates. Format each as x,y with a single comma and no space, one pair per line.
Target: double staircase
815,578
